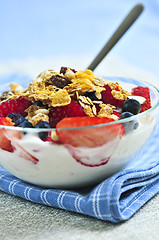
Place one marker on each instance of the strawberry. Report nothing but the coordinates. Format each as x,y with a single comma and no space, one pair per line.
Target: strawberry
17,105
108,98
143,92
91,146
5,143
8,141
6,121
89,136
116,113
73,109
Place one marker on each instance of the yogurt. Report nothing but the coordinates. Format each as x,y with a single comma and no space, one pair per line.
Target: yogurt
57,168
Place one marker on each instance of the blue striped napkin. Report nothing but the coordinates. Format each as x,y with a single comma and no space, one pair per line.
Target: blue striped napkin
116,199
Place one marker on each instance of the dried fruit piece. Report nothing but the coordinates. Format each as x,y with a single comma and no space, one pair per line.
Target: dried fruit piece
58,81
64,69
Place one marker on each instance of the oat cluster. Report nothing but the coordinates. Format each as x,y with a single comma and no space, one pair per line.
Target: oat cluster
55,89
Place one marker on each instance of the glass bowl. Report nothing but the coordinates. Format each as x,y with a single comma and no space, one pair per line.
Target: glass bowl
53,164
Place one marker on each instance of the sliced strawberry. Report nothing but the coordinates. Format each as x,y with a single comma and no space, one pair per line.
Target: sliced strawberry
12,136
116,113
90,146
6,121
5,143
108,98
89,136
8,141
25,154
143,92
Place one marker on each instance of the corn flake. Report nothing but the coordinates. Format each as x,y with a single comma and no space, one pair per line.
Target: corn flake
60,98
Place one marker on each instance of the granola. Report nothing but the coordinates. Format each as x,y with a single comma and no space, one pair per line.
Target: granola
55,89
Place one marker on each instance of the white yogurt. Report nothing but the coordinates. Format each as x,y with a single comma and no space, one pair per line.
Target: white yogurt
57,168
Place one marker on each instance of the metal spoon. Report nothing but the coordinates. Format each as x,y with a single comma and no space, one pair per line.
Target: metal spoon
123,27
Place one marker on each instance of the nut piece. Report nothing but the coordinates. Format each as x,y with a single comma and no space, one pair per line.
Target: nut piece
16,88
37,114
54,136
39,117
69,74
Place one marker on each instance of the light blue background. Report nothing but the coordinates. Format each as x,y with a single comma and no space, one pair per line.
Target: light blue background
46,28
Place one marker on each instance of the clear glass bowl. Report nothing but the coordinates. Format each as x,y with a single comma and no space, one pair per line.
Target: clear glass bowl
52,164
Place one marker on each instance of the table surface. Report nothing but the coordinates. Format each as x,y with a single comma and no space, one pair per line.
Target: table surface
20,219
136,56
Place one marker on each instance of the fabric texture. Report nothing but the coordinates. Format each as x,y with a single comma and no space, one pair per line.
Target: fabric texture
116,199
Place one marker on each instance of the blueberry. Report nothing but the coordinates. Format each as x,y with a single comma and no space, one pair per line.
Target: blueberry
132,106
26,124
39,103
129,125
91,95
16,118
42,124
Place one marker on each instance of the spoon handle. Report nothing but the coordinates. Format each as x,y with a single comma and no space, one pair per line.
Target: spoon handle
123,27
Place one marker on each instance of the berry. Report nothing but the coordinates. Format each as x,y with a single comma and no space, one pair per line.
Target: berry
16,118
17,105
88,137
108,98
132,106
143,92
126,115
43,124
26,124
8,141
129,125
5,143
116,113
56,114
6,121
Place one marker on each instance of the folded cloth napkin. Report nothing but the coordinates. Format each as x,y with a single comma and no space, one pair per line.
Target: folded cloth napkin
115,199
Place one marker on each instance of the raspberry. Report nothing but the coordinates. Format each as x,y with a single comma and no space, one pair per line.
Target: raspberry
143,92
108,98
17,105
56,114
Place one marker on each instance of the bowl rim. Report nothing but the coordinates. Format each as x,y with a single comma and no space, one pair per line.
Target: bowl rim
112,78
